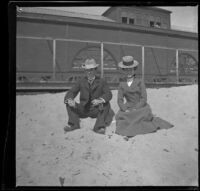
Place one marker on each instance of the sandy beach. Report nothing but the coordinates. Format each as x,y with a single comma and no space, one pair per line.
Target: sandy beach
46,156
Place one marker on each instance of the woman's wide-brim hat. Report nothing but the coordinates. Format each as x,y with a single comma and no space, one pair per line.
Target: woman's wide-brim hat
89,64
128,62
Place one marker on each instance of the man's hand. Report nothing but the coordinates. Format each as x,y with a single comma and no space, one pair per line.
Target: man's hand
128,110
71,102
97,101
65,101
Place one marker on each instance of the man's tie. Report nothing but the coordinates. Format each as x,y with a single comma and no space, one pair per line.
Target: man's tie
90,81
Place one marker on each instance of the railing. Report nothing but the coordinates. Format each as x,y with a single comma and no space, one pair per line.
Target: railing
41,59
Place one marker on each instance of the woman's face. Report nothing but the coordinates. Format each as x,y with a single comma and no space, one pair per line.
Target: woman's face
128,72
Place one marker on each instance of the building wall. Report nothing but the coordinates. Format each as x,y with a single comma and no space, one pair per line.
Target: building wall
114,15
146,16
53,30
41,28
36,56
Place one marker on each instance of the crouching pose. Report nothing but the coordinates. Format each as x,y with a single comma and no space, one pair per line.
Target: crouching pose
135,115
94,100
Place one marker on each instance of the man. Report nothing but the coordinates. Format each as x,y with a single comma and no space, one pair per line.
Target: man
94,100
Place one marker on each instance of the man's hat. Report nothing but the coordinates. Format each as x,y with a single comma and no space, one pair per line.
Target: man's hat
128,62
89,63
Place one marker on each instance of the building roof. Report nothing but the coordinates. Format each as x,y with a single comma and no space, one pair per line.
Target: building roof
157,9
41,10
143,7
76,18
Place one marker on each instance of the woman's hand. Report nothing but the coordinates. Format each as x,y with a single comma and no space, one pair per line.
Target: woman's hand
97,101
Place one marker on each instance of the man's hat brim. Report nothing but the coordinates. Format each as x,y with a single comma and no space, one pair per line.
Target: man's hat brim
135,64
90,66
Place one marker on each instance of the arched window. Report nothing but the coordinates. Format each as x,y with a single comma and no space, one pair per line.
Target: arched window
187,64
94,52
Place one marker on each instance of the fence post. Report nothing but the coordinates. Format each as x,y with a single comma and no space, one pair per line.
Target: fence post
101,60
143,63
177,67
54,59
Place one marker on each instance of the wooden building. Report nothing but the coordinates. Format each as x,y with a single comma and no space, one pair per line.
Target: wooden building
52,44
141,16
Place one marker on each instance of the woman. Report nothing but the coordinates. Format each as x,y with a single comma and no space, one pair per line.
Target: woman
135,116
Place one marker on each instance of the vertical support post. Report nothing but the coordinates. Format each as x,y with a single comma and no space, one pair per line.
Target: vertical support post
143,63
177,67
101,60
67,47
54,60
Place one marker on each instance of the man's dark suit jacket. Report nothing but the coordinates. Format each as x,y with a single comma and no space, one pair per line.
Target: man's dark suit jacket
99,88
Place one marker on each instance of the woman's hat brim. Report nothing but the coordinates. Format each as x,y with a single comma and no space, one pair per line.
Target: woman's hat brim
135,64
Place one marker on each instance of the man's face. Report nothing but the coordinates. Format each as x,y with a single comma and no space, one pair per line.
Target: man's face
90,73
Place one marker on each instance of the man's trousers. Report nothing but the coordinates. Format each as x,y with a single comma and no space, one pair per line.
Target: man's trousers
103,114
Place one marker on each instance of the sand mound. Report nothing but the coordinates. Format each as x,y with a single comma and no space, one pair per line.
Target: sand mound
46,156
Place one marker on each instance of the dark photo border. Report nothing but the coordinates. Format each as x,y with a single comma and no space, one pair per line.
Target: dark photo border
8,171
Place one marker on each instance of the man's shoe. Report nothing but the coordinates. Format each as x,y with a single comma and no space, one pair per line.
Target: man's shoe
100,130
126,138
69,128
